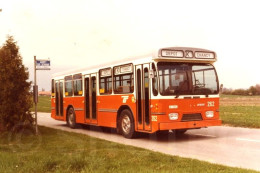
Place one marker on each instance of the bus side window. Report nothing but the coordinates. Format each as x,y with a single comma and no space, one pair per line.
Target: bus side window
105,85
154,81
124,84
105,82
123,79
77,82
68,86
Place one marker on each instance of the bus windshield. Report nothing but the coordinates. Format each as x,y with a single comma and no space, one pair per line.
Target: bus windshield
187,79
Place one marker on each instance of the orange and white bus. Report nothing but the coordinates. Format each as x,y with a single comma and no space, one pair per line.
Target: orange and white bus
176,88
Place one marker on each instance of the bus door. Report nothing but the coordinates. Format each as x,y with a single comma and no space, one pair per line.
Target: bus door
59,99
143,97
91,99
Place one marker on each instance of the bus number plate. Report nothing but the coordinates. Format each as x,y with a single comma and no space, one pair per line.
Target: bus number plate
211,104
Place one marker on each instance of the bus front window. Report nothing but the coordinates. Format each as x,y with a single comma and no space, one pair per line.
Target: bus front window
187,79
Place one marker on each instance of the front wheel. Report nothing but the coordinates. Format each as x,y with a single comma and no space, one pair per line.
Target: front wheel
71,118
126,124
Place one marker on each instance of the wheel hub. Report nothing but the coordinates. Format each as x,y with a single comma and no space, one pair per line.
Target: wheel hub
126,125
70,118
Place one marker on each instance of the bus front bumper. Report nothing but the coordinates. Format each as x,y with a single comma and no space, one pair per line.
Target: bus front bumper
189,124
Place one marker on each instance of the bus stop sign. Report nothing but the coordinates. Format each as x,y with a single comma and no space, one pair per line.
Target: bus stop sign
43,64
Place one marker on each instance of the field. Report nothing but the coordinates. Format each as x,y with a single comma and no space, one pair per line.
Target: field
44,104
240,111
234,100
59,151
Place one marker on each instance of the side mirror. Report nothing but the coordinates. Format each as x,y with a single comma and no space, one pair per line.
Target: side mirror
221,88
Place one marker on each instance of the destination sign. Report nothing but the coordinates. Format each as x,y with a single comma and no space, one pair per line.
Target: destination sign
204,55
106,72
126,69
172,53
117,70
123,69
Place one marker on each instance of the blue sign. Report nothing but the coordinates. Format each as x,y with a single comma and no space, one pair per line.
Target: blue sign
43,64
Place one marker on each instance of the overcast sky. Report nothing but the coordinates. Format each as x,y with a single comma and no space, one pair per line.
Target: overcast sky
79,33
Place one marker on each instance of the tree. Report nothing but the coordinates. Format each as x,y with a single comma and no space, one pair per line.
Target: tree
240,92
257,89
252,90
15,98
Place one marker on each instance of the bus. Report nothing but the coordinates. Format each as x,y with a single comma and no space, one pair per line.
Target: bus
175,88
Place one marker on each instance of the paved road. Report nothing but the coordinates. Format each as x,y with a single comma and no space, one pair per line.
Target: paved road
237,147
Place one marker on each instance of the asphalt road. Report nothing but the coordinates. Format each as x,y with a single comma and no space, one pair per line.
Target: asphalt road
236,147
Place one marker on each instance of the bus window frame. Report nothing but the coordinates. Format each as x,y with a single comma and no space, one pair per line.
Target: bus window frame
121,74
76,83
68,79
155,81
107,91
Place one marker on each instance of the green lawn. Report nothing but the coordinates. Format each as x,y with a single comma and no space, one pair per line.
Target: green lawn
44,104
240,111
241,116
59,151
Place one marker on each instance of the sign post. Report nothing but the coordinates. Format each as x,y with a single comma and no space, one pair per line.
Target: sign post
38,65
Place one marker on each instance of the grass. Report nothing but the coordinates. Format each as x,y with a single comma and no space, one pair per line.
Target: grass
59,151
44,104
240,111
241,116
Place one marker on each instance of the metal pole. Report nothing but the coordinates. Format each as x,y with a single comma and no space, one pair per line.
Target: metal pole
35,84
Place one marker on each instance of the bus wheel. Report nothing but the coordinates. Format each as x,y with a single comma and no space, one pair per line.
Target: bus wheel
126,124
71,120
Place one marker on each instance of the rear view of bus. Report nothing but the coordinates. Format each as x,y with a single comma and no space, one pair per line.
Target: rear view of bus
188,93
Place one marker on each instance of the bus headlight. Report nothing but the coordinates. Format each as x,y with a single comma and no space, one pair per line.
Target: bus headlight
173,116
209,114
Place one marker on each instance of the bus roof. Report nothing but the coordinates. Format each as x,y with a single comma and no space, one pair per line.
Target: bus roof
169,54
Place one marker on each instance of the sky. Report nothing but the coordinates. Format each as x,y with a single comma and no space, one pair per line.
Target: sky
79,33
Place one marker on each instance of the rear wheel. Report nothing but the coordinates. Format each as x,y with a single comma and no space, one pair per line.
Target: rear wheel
126,124
71,118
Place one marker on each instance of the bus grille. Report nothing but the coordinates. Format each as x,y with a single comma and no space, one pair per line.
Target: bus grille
191,117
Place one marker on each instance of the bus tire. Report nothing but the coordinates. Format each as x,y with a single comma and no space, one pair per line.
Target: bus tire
71,118
126,124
